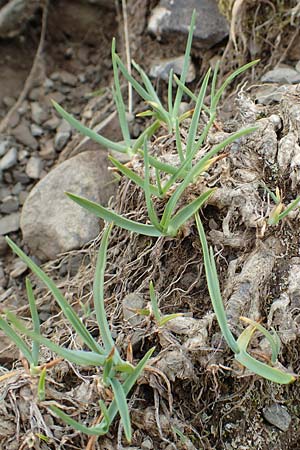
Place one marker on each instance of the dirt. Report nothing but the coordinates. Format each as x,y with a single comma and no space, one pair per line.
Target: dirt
193,395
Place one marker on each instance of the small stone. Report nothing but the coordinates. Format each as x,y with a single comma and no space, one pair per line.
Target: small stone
64,127
278,416
58,97
23,155
8,101
9,205
48,84
147,444
39,114
281,75
68,78
9,159
3,147
19,268
23,108
298,66
52,124
23,135
3,246
17,189
20,176
34,167
36,131
4,192
48,152
14,120
130,303
9,223
22,197
163,67
35,94
61,139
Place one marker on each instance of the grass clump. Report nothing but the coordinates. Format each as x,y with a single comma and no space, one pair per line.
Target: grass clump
120,375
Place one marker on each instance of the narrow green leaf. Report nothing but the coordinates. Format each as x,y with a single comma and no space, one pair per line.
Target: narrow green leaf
187,211
35,321
148,132
79,357
119,98
148,85
185,67
15,338
120,398
137,86
228,80
178,142
63,303
154,303
170,92
88,132
214,83
294,204
41,385
133,176
167,318
150,207
99,430
110,216
273,341
214,288
263,370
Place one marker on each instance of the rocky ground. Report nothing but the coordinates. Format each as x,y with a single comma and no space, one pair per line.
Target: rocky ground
57,50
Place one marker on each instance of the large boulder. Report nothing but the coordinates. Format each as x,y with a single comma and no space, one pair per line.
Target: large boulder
50,222
170,20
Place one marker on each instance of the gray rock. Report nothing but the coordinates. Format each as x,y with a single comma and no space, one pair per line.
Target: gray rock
9,159
34,167
36,131
52,123
129,304
170,19
51,223
3,147
9,223
14,16
23,135
48,152
22,197
163,67
19,267
67,78
281,75
268,94
64,127
8,101
278,416
3,246
9,205
61,138
39,114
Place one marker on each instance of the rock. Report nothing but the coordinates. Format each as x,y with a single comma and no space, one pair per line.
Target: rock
129,304
23,135
39,114
8,101
281,75
14,120
56,96
172,19
52,123
9,223
61,138
14,16
22,197
278,416
9,160
19,267
35,94
3,246
48,152
23,108
162,69
36,131
34,167
9,205
3,147
51,223
65,77
20,176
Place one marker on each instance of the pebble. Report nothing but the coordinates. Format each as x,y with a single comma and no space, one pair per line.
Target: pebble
56,96
23,108
38,114
19,267
278,416
3,147
281,75
22,197
9,159
23,155
163,67
14,120
35,94
9,205
20,176
17,188
48,84
130,303
34,167
8,101
4,192
48,152
9,223
52,124
61,138
23,135
36,131
68,78
3,246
